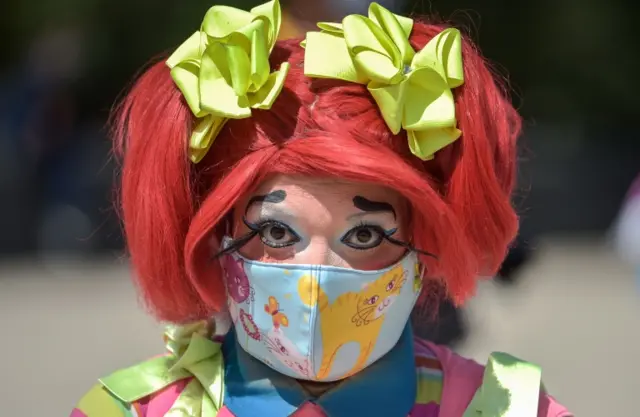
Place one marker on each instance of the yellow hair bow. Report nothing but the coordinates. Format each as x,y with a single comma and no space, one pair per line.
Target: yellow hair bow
192,353
412,89
223,69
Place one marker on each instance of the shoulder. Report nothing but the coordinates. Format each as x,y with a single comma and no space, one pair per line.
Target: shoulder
463,377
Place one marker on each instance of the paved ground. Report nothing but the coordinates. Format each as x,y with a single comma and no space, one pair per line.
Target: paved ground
576,312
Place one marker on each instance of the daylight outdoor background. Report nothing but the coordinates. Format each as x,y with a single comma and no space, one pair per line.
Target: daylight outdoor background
69,314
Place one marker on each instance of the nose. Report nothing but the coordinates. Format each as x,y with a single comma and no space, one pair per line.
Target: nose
319,252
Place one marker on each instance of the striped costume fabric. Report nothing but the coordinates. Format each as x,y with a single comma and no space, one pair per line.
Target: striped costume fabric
98,402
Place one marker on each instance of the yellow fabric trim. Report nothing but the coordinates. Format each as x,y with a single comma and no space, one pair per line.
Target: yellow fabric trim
428,391
97,402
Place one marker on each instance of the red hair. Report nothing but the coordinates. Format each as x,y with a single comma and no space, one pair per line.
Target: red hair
172,209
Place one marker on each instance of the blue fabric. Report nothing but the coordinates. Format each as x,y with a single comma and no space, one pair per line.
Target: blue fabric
387,388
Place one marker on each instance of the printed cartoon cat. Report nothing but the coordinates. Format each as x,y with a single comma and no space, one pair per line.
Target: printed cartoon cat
237,284
359,316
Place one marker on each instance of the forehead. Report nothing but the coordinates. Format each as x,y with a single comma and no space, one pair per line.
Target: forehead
324,190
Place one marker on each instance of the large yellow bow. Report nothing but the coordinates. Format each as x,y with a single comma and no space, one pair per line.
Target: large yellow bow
191,354
223,69
413,90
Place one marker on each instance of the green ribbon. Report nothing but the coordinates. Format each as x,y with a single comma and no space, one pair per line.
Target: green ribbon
223,69
412,89
191,354
510,388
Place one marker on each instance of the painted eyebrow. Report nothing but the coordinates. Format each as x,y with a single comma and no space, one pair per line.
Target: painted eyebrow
368,206
274,197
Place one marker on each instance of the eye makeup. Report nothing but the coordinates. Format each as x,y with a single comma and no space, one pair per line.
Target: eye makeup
272,225
262,228
274,197
366,230
369,206
272,230
383,235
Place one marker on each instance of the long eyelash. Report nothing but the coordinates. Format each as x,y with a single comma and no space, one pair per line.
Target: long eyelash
377,227
409,246
236,244
388,236
255,229
262,222
384,234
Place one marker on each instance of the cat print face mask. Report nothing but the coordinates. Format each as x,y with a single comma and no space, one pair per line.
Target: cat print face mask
318,322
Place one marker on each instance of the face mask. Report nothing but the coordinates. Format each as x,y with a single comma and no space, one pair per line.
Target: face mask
318,322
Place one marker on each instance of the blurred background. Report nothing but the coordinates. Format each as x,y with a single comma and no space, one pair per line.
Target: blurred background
565,297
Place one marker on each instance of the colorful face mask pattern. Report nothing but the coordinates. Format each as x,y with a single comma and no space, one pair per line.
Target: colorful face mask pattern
319,322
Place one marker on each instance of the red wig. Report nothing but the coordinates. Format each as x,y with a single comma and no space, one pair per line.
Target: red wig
173,209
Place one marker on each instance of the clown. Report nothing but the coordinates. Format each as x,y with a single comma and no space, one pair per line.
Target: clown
315,188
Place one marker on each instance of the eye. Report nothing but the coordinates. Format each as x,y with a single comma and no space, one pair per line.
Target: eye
277,235
372,300
364,237
390,285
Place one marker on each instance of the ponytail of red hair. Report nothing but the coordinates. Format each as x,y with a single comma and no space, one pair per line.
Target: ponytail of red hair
151,129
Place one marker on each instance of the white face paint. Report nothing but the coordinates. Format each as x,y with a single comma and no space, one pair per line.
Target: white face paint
323,222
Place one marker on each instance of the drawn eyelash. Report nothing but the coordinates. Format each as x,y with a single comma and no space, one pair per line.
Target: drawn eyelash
382,235
256,228
236,244
409,246
388,236
264,223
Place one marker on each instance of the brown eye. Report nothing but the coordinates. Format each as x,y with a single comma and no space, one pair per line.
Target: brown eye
277,235
364,237
277,232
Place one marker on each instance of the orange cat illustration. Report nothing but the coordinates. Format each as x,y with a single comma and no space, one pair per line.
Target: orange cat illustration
358,315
